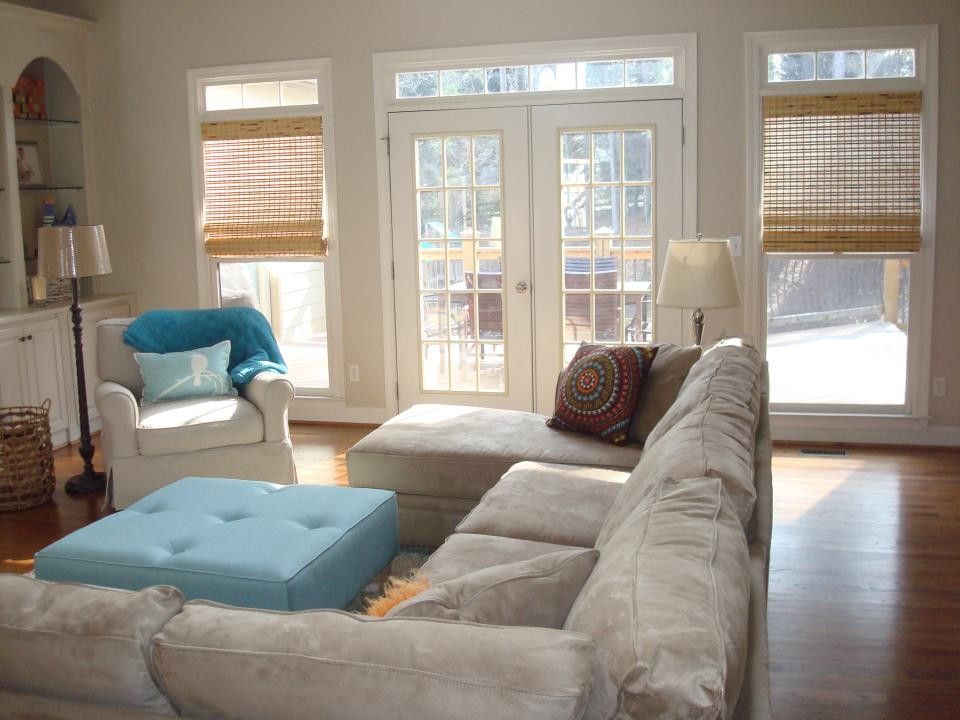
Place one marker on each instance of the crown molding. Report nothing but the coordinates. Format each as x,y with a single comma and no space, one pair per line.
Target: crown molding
43,20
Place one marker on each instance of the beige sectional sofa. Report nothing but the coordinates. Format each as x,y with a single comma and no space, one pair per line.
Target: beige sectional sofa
670,622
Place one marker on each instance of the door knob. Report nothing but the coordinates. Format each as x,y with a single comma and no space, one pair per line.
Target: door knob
521,287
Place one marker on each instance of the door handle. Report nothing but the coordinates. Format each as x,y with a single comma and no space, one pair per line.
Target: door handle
521,287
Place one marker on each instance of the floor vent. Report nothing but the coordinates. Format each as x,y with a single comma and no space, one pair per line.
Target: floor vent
824,452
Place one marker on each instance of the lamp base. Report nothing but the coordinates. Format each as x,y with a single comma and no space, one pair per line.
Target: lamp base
84,483
697,319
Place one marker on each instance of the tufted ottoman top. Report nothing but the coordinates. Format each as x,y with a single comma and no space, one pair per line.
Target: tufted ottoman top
240,542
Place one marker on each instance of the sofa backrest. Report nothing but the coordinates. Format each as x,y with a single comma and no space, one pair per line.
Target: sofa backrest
709,430
668,601
218,661
667,605
82,643
115,361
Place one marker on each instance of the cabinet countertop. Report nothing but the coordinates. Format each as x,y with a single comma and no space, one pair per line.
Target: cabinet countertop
14,315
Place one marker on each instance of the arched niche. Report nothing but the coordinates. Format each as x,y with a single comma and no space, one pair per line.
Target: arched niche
61,99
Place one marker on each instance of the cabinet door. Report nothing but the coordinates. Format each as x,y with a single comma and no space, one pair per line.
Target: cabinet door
46,369
13,368
91,317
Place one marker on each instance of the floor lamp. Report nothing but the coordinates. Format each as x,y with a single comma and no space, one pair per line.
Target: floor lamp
698,274
76,251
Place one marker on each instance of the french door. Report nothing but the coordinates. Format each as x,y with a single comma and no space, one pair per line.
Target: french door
519,233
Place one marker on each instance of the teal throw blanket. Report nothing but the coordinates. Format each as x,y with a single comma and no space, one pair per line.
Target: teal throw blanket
253,349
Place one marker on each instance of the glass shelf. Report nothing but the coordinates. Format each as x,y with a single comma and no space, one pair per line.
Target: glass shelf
48,188
48,121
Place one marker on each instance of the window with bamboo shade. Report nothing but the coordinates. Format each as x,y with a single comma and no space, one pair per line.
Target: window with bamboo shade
841,173
263,188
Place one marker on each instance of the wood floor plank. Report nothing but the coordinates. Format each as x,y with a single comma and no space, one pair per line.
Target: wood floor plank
864,607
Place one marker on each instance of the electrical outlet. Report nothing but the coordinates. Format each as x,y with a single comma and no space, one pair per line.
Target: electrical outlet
354,373
939,387
736,245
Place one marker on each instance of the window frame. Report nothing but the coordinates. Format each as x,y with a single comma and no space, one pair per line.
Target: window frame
850,422
206,267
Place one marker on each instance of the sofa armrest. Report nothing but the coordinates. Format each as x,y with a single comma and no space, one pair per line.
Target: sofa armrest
120,416
272,393
544,502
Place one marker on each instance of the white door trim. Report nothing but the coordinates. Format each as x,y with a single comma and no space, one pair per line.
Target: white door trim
664,116
511,124
684,88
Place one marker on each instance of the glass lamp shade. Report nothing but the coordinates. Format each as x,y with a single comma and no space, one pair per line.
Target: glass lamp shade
698,274
72,251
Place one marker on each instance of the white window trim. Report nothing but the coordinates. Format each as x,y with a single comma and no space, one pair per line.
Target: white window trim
682,47
850,423
304,407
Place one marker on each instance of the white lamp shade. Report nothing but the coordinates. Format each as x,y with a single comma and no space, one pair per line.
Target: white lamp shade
72,251
698,274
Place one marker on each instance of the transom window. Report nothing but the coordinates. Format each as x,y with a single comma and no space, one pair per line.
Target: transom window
260,94
544,77
847,64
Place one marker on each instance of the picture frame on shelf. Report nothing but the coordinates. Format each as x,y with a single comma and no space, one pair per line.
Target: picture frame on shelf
29,168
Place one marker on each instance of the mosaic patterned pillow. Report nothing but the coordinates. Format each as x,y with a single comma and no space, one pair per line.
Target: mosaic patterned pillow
598,391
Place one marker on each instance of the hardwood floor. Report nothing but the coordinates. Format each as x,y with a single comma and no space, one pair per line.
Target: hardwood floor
864,607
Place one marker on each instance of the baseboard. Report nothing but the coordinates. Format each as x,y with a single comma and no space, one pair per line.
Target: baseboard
335,410
931,436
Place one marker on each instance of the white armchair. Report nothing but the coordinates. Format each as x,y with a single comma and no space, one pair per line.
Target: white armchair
145,448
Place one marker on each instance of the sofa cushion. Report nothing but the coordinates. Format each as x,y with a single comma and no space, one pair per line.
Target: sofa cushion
661,386
464,553
216,661
562,504
714,439
462,451
667,605
597,392
730,369
201,372
183,426
82,643
533,593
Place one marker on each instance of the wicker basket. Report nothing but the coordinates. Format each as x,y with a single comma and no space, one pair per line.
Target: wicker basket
26,457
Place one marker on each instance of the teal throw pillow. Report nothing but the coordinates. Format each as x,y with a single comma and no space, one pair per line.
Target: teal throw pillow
193,373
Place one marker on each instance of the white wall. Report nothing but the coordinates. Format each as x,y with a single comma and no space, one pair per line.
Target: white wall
142,50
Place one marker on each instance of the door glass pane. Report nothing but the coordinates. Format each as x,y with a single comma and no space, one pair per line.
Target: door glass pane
292,296
837,330
460,254
607,235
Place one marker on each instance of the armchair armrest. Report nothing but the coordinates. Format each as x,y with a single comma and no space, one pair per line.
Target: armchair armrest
272,393
120,416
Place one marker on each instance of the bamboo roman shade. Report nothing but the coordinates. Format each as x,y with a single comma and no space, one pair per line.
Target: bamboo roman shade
841,173
263,188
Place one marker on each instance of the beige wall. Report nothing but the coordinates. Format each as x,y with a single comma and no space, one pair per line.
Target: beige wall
143,48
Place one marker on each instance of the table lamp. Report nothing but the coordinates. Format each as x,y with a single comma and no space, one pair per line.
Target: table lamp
76,251
698,274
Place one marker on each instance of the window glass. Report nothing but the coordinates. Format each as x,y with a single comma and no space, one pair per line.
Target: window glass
837,330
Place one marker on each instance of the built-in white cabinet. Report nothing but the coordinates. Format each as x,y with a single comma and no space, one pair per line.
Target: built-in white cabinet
37,360
35,372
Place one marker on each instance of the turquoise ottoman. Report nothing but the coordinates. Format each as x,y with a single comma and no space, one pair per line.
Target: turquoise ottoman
239,542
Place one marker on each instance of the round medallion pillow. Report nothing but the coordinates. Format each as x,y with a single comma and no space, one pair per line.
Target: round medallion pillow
597,392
